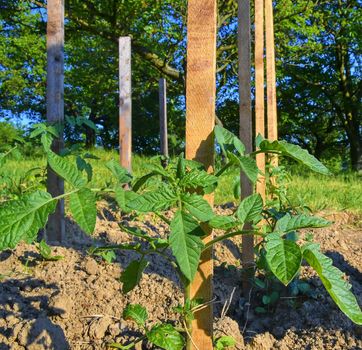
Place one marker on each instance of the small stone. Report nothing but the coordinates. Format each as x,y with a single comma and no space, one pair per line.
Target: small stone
91,267
98,328
115,329
61,305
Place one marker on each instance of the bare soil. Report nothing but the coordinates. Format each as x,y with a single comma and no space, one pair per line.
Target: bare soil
77,303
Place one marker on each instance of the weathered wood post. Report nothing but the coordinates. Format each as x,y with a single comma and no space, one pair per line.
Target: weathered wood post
270,73
55,108
246,124
125,103
163,117
200,121
259,88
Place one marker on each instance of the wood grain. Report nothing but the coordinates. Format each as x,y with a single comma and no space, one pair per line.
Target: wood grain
271,75
200,121
55,229
163,117
125,103
246,125
259,88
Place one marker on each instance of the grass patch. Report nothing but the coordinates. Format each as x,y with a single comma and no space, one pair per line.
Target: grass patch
340,192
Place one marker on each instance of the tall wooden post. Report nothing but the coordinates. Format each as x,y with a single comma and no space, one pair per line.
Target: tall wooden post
125,103
200,121
246,125
55,108
270,72
259,88
163,117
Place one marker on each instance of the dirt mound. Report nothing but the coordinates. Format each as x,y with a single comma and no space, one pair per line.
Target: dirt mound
77,302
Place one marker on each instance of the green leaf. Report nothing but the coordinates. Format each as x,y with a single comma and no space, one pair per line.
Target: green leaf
197,206
246,165
284,257
290,223
46,252
199,180
23,218
332,279
295,152
153,201
223,222
228,141
136,313
66,170
131,276
82,165
166,337
135,231
121,174
186,243
82,205
250,209
224,342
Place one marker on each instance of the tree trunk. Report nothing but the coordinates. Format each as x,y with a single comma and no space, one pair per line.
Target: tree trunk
350,106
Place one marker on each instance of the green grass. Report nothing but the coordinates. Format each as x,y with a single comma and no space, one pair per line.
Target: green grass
341,192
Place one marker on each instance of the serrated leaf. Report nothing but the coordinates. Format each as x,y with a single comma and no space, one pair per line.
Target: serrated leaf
136,313
23,218
199,180
223,222
290,223
247,165
284,257
131,276
82,165
121,174
66,170
153,201
197,206
166,337
186,243
250,209
136,232
332,279
228,141
82,205
141,181
295,152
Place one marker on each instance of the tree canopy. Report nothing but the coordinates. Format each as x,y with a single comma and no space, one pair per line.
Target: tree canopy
318,49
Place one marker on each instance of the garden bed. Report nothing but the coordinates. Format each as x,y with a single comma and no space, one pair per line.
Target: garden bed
77,302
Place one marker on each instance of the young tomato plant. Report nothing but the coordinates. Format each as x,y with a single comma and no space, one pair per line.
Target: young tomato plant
175,194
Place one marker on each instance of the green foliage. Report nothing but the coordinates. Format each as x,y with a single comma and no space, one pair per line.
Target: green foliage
164,336
224,342
284,257
334,282
46,252
82,205
22,219
131,276
180,187
136,313
186,243
295,152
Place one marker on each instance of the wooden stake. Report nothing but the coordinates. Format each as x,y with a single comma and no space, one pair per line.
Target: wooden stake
270,69
246,125
163,118
200,121
259,88
55,231
125,103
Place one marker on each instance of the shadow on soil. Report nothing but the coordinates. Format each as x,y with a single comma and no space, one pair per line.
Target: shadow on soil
36,328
